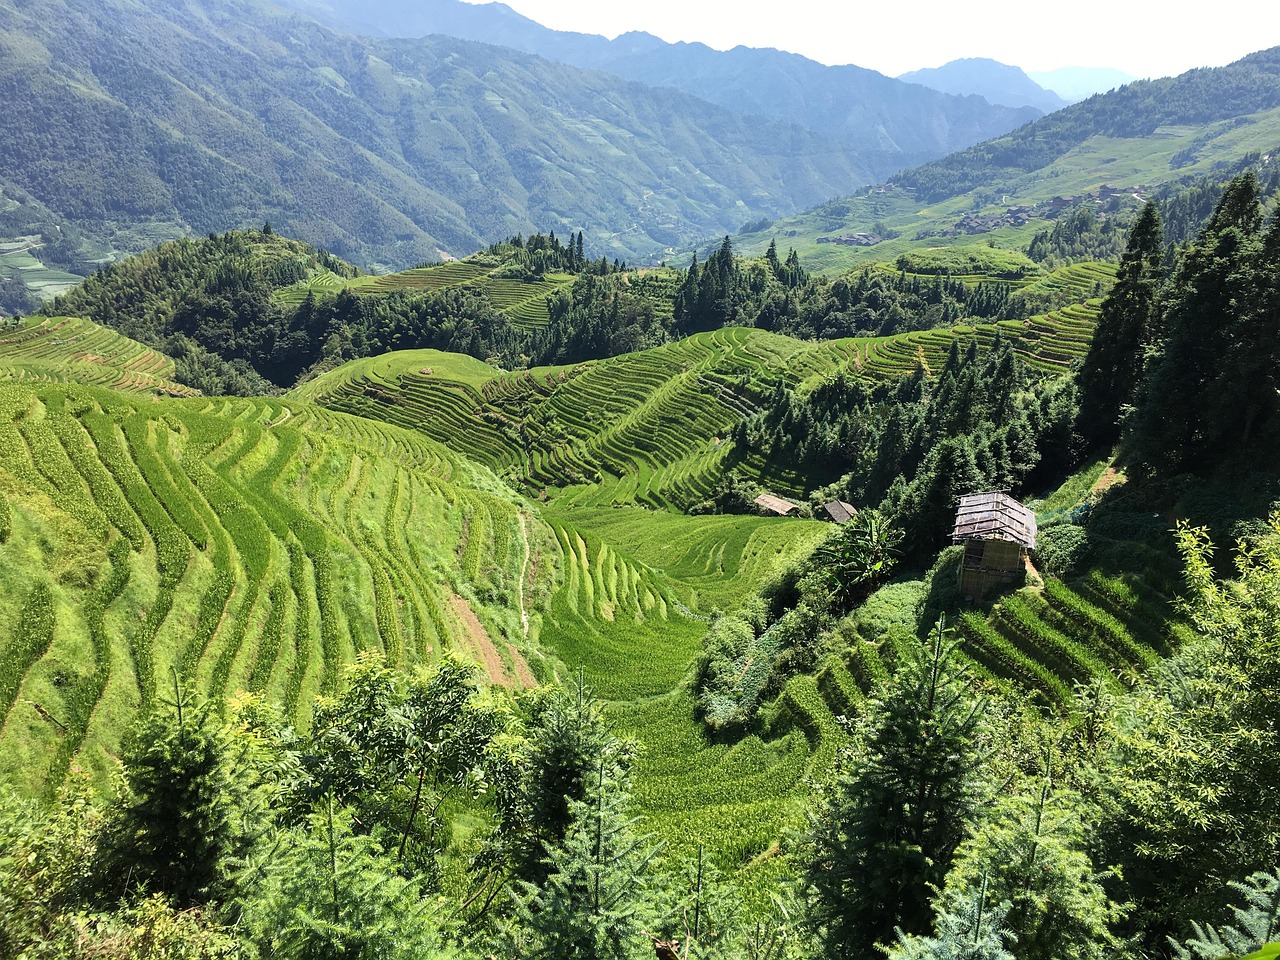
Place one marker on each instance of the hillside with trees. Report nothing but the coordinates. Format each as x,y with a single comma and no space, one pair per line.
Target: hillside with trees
892,125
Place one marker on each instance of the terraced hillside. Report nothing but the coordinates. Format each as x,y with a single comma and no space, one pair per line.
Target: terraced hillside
259,545
66,349
524,301
648,427
237,545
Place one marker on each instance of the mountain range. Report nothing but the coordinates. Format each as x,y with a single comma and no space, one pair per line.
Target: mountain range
995,82
892,125
133,122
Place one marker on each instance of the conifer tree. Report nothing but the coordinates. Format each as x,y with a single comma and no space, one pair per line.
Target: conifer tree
886,831
1257,922
1112,369
175,829
970,926
1032,853
1195,406
331,894
593,902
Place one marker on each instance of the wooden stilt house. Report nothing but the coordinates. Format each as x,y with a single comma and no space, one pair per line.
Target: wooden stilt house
997,532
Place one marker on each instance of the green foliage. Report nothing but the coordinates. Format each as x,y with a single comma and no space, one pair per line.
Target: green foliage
1032,853
968,261
396,752
1257,922
1062,549
176,828
1197,407
331,894
592,902
45,854
31,637
888,827
856,558
1080,235
1188,815
970,925
1112,369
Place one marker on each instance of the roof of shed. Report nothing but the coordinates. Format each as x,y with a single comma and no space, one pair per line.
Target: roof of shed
768,501
995,515
840,511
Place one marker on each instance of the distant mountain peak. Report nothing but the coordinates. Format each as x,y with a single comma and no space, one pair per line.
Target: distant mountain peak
997,83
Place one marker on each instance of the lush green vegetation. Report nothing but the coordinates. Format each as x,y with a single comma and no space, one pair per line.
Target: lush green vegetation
317,674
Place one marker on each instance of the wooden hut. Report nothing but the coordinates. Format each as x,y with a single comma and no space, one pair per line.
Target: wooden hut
997,532
771,504
840,512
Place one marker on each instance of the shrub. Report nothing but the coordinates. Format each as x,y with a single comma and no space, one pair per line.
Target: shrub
1062,550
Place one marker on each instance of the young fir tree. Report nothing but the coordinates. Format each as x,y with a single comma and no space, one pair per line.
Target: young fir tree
1033,854
175,830
970,926
593,903
331,894
1112,369
1257,923
885,834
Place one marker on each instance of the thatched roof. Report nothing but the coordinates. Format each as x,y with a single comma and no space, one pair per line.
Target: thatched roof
996,516
767,501
839,511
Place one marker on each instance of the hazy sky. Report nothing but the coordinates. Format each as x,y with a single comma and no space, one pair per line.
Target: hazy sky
1141,37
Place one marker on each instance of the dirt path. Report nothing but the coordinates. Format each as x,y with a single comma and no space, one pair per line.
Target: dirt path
486,652
524,572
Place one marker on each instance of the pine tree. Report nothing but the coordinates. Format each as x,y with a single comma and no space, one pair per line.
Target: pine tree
1182,422
1112,369
970,926
886,831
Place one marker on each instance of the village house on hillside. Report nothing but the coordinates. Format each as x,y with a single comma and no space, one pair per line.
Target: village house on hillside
997,532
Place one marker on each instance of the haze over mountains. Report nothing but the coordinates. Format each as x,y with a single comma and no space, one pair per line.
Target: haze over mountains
892,125
995,82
